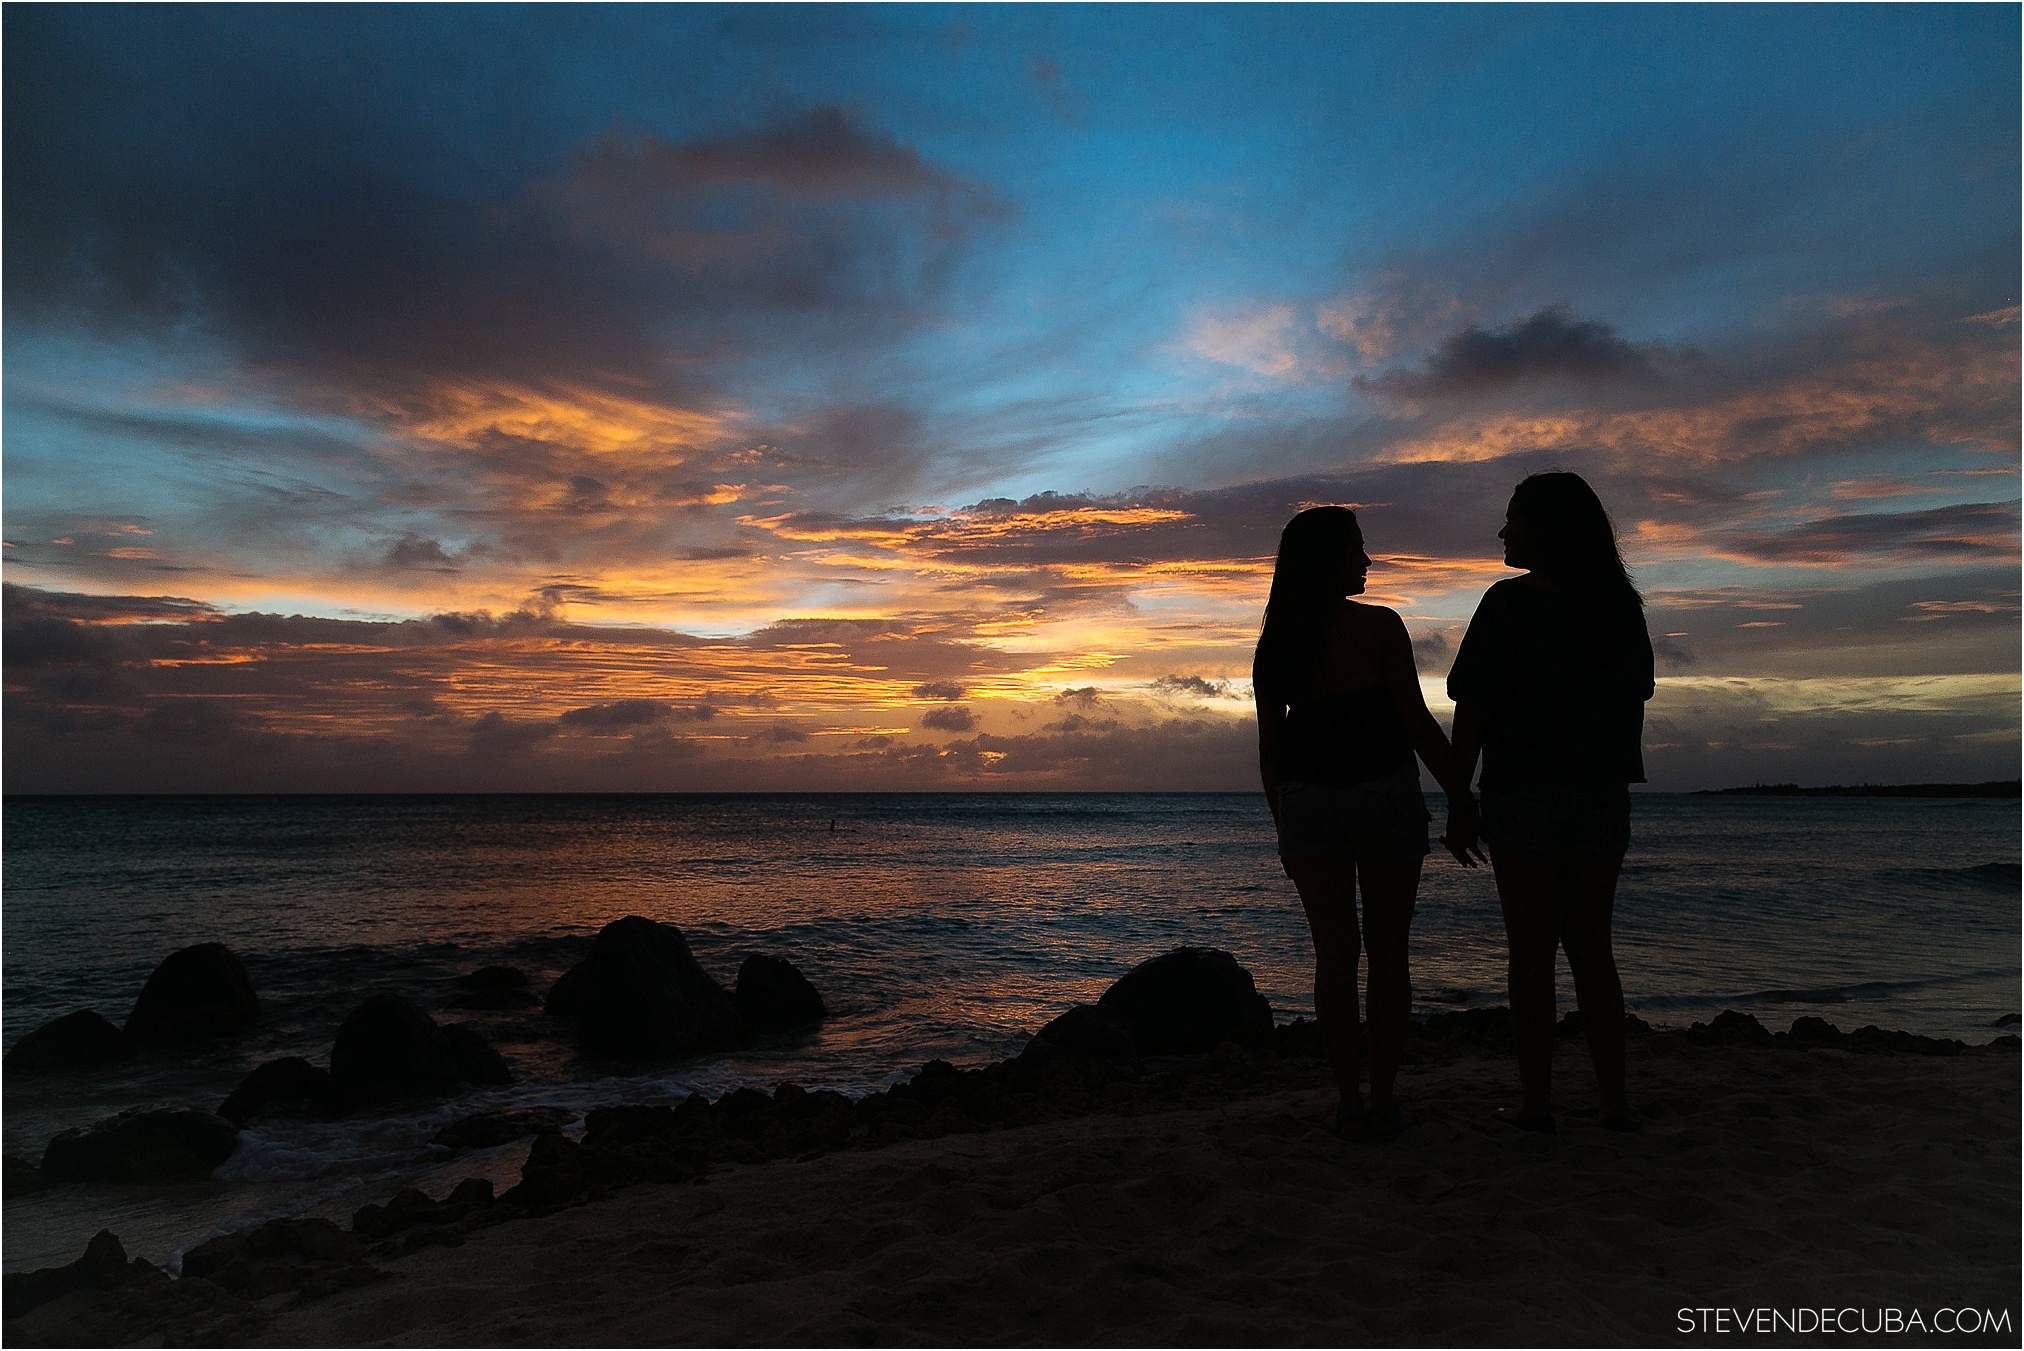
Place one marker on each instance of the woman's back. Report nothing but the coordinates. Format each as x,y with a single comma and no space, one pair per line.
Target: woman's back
1563,680
1342,723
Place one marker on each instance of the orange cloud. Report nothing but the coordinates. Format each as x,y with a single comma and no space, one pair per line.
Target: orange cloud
1942,395
467,416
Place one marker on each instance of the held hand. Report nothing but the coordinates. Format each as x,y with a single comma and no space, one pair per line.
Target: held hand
1465,824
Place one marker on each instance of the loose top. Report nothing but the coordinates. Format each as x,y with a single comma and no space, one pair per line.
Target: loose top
1560,683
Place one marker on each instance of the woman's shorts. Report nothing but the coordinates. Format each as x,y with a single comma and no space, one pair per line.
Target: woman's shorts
1590,822
1381,821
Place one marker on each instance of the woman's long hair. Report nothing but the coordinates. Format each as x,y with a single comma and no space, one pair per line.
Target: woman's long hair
1574,538
1307,581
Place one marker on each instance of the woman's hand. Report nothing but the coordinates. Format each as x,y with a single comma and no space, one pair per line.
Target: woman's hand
1465,825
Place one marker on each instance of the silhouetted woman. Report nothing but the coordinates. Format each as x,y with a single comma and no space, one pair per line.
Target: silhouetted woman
1550,685
1340,715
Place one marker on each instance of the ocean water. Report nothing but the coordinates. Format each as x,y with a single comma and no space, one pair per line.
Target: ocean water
948,925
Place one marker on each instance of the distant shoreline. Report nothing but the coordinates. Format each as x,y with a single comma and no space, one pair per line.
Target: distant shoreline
1990,788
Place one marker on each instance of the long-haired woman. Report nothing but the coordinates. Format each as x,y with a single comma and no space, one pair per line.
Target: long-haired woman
1550,685
1340,716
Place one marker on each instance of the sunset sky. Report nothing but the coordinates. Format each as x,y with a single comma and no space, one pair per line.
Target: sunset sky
643,398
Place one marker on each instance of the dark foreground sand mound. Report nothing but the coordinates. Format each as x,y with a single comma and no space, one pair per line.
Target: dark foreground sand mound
1212,1207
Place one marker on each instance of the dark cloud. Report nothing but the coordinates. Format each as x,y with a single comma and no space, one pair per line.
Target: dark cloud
948,690
1551,344
1431,651
1198,686
494,733
633,713
413,552
1945,622
952,719
340,226
1972,532
26,602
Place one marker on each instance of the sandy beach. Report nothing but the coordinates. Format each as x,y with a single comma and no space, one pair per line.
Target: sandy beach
1220,1211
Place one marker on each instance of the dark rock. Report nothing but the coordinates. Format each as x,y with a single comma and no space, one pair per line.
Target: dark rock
487,1129
1729,1028
103,1267
741,1103
931,1083
291,1085
494,978
566,996
494,1000
141,1146
477,1062
1188,1001
1086,1029
18,1177
1810,1031
1570,1027
639,995
76,1041
388,1048
1300,1038
286,1254
467,1204
553,1176
494,987
1872,1039
626,1123
199,992
772,993
1487,1029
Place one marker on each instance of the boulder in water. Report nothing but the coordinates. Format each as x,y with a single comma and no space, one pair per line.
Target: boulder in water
141,1146
494,987
77,1041
198,992
1086,1030
1188,1001
477,1062
639,995
772,993
290,1086
389,1048
498,1128
494,978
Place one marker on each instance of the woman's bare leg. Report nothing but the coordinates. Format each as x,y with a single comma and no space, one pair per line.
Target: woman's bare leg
1528,889
1588,903
1389,891
1328,891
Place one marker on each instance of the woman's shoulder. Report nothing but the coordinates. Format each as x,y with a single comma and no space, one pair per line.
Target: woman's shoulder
1512,593
1364,614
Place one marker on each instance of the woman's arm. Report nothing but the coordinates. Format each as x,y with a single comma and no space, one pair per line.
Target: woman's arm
1465,822
1468,739
1402,682
1402,679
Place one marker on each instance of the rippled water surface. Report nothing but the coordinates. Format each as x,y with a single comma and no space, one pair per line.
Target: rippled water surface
935,925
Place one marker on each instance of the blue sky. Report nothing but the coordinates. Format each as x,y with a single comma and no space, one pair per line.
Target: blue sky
387,386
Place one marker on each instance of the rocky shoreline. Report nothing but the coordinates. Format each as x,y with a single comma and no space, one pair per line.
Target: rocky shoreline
233,1287
1181,1032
